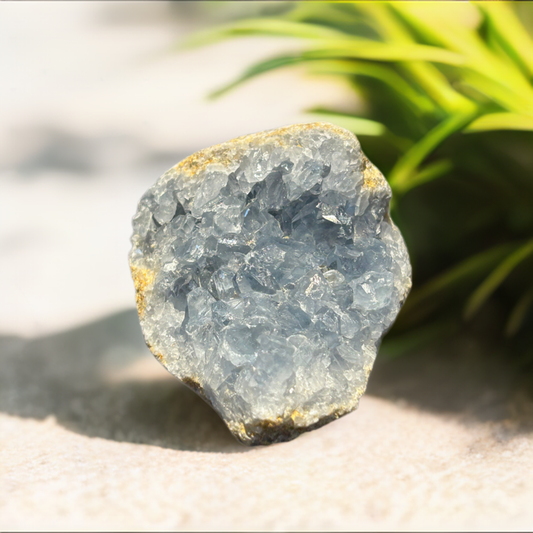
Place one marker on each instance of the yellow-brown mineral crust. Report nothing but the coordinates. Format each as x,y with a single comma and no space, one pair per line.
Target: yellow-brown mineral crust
142,279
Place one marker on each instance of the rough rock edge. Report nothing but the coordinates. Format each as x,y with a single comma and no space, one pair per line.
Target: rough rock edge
226,153
283,429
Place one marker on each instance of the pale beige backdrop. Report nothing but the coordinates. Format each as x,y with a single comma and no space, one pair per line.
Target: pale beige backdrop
93,432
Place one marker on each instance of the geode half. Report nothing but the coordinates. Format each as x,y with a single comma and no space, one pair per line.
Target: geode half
267,270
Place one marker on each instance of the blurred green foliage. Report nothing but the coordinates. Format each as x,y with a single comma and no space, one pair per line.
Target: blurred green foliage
448,118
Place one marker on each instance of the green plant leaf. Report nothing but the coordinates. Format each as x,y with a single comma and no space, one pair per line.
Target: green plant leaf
261,26
472,266
405,168
336,44
384,73
434,24
518,101
430,172
387,23
519,313
496,278
501,121
351,49
327,13
258,69
366,49
361,126
510,33
444,31
357,125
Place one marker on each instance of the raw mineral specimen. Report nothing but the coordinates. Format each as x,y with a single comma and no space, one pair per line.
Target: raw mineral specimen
267,270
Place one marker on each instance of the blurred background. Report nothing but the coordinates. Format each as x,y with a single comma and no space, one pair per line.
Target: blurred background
101,99
96,104
98,99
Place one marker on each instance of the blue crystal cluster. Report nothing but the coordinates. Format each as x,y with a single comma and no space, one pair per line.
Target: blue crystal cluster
269,270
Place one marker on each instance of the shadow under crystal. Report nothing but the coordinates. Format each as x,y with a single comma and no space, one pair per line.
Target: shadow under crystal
82,378
100,380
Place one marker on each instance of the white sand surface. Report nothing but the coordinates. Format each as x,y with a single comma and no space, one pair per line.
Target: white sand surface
94,434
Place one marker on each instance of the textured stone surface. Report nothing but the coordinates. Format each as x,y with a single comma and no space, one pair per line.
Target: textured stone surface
267,271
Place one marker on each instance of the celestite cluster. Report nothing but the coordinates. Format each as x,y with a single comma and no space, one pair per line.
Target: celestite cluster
267,270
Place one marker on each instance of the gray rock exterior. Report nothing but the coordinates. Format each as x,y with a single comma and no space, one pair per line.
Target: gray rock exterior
267,270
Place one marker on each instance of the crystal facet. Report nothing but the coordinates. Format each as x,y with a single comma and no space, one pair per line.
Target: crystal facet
267,270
